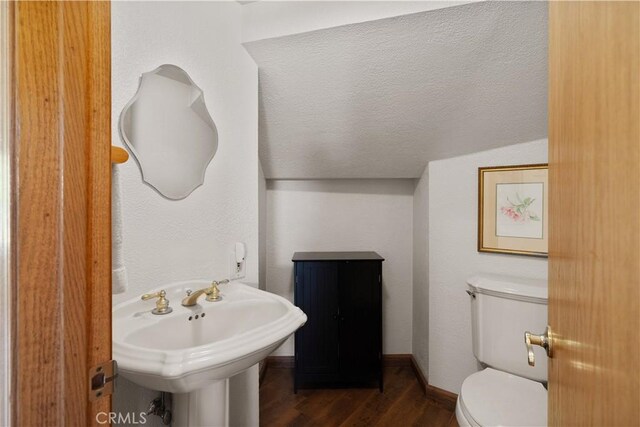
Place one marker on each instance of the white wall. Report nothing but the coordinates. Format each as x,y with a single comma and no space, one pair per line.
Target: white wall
420,337
267,19
166,240
453,205
346,215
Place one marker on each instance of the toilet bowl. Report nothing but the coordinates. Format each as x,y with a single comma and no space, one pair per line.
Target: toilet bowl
507,392
495,398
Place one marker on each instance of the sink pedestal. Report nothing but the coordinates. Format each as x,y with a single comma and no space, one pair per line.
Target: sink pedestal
208,406
206,354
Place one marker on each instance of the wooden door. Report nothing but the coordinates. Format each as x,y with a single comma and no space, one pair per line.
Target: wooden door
316,294
360,321
61,139
594,248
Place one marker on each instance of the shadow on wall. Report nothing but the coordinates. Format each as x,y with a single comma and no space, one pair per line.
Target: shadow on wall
344,186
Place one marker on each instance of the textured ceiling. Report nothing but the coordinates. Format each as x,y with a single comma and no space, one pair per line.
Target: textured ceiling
382,98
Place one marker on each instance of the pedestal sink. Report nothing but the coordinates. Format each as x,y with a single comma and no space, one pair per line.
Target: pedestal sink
192,351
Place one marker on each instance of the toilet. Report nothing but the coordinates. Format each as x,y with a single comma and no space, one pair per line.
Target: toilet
507,392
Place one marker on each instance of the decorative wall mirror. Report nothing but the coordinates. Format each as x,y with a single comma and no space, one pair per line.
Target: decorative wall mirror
169,131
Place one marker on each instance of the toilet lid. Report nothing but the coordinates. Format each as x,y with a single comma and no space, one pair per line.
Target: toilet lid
495,398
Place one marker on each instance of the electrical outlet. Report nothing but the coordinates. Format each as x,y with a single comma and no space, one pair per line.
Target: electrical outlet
236,267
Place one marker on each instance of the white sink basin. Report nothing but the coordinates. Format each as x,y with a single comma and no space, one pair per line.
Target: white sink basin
180,353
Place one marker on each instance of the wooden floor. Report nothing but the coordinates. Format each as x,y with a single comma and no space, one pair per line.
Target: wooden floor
402,404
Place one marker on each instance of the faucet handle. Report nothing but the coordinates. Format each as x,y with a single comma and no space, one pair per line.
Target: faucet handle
162,304
214,293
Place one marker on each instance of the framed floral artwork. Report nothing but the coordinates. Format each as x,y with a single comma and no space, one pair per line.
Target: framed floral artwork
513,209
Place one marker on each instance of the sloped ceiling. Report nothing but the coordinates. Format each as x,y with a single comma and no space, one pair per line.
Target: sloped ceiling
380,99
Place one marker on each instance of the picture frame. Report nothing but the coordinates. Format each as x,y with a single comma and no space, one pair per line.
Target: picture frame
513,209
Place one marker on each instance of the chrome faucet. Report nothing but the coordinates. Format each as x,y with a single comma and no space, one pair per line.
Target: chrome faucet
212,293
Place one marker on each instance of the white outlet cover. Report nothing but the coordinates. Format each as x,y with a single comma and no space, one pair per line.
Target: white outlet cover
233,267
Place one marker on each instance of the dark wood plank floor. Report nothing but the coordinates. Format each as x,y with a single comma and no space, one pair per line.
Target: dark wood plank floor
402,404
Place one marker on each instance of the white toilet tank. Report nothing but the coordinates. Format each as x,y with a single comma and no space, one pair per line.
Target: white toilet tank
502,309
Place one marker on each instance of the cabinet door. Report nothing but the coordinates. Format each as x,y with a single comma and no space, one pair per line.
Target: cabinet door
316,342
360,320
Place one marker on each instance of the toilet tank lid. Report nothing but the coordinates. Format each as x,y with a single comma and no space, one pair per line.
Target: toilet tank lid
534,290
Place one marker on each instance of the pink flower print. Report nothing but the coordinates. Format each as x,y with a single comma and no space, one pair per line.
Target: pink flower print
519,212
511,213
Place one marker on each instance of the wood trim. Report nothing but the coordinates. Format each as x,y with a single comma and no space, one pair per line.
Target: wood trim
98,18
62,110
444,398
419,375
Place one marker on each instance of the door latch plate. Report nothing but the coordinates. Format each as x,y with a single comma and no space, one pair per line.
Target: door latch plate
101,379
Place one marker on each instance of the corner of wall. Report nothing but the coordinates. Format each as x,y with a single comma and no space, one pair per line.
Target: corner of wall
420,300
262,228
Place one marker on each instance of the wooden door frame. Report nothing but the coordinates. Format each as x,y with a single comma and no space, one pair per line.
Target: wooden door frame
61,139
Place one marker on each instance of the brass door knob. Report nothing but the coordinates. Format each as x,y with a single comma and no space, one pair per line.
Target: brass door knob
545,341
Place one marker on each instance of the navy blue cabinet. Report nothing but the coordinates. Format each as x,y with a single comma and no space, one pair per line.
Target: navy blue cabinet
341,343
